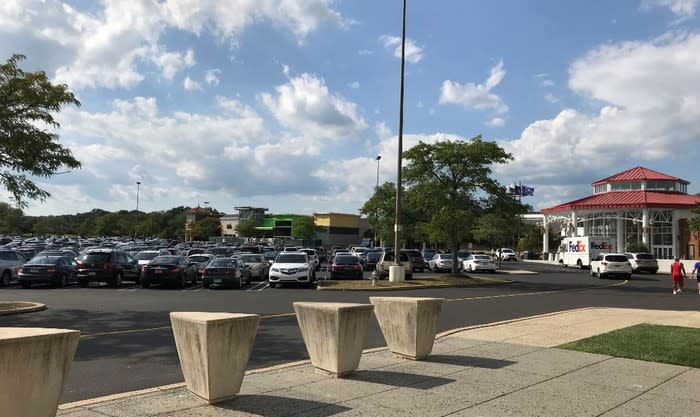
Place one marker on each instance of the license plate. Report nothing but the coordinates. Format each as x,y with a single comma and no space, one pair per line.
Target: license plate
217,281
91,274
158,271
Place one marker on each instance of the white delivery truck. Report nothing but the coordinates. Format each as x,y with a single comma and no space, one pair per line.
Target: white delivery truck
578,251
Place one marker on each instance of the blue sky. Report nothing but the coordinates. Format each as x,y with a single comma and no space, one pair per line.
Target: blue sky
285,104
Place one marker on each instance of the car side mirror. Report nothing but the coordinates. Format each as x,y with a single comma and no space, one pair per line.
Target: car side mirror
270,262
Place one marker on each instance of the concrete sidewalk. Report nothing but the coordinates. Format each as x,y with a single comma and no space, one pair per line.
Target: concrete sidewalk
502,369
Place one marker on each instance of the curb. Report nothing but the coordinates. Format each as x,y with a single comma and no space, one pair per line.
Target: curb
20,307
490,281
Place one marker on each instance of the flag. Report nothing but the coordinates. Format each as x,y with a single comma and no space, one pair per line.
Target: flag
526,190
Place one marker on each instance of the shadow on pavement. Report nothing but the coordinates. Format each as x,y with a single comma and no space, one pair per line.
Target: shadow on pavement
268,405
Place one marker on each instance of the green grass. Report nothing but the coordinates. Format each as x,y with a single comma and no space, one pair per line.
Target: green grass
647,342
440,281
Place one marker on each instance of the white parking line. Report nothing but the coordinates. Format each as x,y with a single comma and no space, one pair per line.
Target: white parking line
196,287
259,286
129,288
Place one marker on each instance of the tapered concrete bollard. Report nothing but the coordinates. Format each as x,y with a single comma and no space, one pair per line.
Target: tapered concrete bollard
34,364
334,334
214,349
409,324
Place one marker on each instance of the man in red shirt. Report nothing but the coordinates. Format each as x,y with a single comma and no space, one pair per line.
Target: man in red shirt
677,275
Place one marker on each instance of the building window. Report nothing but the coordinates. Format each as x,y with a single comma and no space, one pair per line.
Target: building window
627,186
229,226
661,185
601,188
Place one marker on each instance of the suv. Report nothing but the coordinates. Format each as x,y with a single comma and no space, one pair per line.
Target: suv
506,254
387,260
643,262
606,264
416,258
107,265
10,261
292,267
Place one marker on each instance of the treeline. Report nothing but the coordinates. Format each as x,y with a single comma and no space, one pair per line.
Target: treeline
168,224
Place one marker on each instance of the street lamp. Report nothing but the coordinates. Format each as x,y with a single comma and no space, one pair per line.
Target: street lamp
138,189
397,213
378,158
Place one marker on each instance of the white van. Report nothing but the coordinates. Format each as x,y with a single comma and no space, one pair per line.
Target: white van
578,251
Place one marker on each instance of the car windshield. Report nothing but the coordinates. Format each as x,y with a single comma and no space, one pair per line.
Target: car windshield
345,259
291,259
645,256
616,258
165,260
44,260
222,263
251,259
199,258
219,251
374,255
97,257
145,256
446,256
482,257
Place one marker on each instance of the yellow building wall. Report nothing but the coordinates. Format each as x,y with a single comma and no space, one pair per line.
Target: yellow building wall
337,220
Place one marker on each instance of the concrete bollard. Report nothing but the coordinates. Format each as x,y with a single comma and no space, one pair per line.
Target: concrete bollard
214,349
34,364
334,334
409,324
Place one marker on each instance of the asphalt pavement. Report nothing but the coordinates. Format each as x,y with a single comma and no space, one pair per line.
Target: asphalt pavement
501,369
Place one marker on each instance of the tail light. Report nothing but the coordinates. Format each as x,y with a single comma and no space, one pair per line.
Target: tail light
604,263
21,270
175,269
334,267
81,264
356,267
477,262
51,270
205,272
231,271
108,265
144,268
381,265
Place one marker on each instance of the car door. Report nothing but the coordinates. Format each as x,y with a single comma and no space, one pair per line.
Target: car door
129,265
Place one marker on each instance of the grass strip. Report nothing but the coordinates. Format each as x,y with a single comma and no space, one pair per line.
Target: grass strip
666,344
442,281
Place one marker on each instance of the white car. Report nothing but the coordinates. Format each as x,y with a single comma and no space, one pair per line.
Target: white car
292,268
476,262
441,262
606,264
507,254
313,257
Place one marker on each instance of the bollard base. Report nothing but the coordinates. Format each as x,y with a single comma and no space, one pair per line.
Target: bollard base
397,273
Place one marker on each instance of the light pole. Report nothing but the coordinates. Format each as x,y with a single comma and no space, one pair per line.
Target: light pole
398,275
378,158
138,190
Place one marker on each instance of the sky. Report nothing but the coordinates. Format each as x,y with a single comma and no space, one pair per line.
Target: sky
286,104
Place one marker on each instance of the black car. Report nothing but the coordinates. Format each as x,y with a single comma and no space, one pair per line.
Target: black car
346,267
417,259
106,265
58,271
168,269
226,272
371,259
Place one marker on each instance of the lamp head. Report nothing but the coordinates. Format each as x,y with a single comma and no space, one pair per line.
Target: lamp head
378,157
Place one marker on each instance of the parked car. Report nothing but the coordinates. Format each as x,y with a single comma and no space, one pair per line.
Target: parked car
292,268
643,262
607,264
476,262
346,266
313,257
387,260
106,265
417,260
441,262
58,271
59,252
371,258
258,267
10,261
221,251
168,269
201,261
506,254
226,272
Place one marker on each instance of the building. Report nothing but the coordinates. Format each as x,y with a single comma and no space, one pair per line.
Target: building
338,229
229,223
639,205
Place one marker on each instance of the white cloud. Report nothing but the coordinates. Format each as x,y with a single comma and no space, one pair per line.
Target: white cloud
306,106
365,52
551,98
172,62
683,9
495,122
192,85
355,84
650,94
413,52
476,96
212,76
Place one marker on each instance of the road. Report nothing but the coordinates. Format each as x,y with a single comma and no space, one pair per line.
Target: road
126,342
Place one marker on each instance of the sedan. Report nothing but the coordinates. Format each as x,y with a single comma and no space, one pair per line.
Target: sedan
201,261
258,266
346,266
226,272
58,271
441,262
473,263
168,270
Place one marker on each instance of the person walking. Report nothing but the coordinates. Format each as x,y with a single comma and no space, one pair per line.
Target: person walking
696,272
677,275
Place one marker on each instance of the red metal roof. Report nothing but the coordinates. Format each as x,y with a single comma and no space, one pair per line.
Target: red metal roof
628,199
639,174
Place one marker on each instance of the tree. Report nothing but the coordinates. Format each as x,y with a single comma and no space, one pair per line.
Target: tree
27,103
448,180
379,210
9,219
248,229
205,228
305,228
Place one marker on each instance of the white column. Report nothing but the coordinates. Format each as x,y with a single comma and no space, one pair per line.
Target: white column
645,227
574,224
620,233
545,237
675,232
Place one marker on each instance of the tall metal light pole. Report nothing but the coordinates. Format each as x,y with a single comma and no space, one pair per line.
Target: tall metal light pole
378,158
397,213
138,189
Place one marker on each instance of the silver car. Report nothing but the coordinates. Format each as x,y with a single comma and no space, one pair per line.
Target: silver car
10,261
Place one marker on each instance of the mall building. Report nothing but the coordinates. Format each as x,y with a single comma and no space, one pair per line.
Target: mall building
639,205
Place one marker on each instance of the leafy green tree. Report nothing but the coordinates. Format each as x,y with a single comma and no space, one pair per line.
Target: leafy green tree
27,103
448,180
248,229
694,222
205,228
379,210
9,219
305,228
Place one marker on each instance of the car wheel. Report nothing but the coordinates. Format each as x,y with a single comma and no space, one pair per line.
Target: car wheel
598,274
25,284
145,284
579,264
182,282
117,280
5,280
62,281
629,276
83,283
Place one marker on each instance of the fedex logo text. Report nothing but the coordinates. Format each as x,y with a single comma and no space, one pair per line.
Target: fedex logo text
602,245
578,246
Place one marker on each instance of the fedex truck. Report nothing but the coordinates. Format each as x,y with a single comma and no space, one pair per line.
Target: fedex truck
578,251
